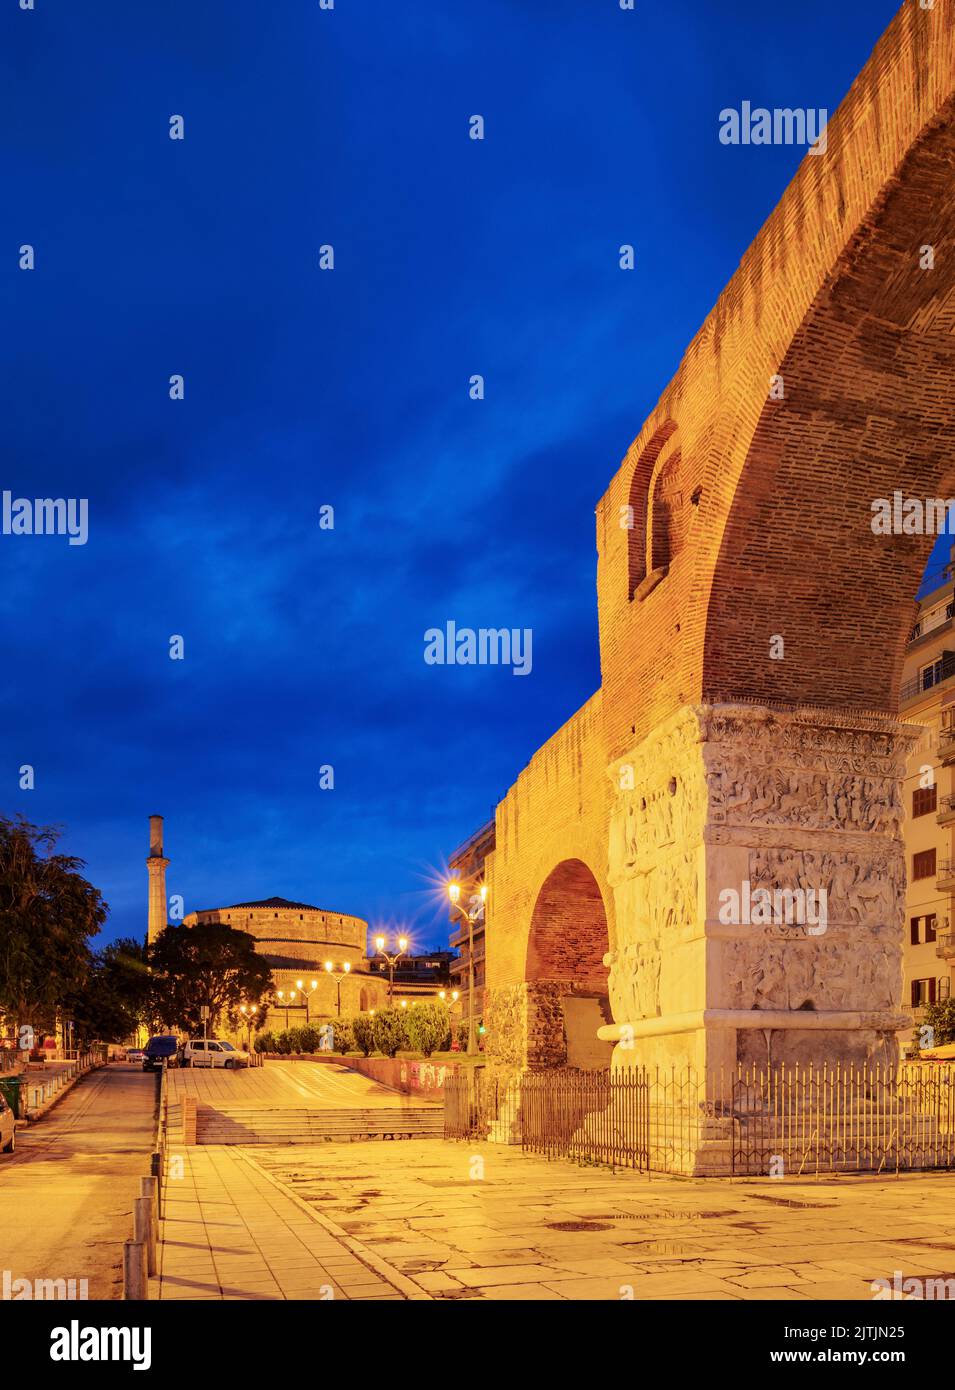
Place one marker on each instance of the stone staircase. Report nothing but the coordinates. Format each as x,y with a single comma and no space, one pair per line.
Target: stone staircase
237,1124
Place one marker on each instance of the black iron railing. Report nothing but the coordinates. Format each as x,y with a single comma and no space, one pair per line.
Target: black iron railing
781,1121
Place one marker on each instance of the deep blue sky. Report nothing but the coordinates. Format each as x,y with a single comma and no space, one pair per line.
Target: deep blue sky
453,257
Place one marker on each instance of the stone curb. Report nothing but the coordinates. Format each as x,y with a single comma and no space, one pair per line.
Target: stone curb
398,1281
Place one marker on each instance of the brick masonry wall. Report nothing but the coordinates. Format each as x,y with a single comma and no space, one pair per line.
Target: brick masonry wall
558,809
830,295
568,938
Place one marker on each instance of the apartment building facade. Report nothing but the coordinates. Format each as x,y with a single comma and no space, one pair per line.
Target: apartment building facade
928,699
467,866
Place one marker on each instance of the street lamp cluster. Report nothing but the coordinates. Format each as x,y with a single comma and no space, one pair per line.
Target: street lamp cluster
392,961
338,976
248,1012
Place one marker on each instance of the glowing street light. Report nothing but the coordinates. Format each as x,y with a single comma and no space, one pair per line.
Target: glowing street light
313,986
392,960
248,1013
338,976
287,1002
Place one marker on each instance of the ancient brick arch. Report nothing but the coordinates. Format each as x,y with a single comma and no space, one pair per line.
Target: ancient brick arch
567,997
712,758
869,407
569,936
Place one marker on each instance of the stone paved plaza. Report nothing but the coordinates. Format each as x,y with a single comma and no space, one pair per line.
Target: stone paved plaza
438,1219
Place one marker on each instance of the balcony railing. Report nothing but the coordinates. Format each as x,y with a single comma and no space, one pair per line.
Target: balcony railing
945,875
932,621
945,945
939,671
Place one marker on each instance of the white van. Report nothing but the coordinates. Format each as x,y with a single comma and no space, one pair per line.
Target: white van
213,1052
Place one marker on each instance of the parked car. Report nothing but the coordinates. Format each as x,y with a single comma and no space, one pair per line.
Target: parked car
164,1047
8,1134
134,1054
213,1052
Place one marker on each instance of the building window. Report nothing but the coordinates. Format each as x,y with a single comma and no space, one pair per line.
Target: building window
923,992
919,933
924,801
923,864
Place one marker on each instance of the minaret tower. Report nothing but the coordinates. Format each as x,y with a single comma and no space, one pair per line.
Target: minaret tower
157,866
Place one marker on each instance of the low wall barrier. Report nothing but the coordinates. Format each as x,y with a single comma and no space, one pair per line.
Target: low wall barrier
424,1079
37,1095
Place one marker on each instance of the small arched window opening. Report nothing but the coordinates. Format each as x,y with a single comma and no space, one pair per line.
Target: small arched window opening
667,513
646,514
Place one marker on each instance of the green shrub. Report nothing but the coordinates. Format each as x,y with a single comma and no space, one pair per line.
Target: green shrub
344,1039
428,1026
390,1031
363,1033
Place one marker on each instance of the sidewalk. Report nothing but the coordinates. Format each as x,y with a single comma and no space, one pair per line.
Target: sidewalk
230,1232
66,1195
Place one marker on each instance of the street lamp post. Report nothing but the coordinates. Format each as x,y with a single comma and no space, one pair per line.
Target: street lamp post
306,995
248,1013
392,961
338,976
443,996
454,893
287,1002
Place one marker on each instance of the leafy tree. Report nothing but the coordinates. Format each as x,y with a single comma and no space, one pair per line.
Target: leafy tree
344,1035
429,1027
941,1018
210,964
389,1031
116,995
363,1032
265,1042
48,913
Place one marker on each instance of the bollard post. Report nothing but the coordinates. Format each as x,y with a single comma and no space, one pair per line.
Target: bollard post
156,1170
149,1187
135,1283
143,1231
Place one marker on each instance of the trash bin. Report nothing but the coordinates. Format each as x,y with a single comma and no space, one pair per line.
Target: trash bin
10,1089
